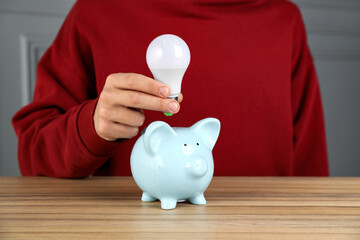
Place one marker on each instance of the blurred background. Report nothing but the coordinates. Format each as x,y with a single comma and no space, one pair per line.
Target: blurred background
27,28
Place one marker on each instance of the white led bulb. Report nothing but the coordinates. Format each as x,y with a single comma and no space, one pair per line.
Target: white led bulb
168,57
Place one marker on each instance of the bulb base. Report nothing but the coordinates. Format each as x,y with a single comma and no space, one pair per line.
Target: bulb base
174,98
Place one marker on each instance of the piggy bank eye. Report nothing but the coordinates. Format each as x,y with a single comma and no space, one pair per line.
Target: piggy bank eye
197,144
185,144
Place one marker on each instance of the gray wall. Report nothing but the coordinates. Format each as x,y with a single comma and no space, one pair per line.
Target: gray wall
27,27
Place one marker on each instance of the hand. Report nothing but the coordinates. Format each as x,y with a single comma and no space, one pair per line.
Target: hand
119,111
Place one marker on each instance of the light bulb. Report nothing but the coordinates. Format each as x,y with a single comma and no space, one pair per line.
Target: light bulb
168,57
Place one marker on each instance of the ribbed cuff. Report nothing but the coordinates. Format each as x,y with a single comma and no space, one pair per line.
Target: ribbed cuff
91,140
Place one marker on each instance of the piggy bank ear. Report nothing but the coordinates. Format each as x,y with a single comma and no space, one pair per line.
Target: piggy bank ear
155,134
208,129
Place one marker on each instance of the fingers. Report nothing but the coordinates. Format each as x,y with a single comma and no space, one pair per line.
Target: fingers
180,98
141,100
118,113
112,131
126,116
112,124
138,82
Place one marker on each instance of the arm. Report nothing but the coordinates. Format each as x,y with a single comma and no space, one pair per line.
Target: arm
309,142
67,131
48,128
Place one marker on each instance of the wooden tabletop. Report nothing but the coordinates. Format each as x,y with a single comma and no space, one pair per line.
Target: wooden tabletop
238,207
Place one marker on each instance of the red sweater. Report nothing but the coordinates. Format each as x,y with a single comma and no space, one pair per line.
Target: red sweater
250,67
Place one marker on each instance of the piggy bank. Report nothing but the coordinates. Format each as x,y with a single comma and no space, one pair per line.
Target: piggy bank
175,164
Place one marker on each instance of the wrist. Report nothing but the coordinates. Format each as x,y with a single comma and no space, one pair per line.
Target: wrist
88,135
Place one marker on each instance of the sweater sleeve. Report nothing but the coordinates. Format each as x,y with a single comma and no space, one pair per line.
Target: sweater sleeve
309,142
56,132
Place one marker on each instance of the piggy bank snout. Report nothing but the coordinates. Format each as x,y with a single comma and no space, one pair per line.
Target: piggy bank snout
197,167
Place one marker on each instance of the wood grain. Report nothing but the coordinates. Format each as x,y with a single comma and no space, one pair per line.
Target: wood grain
238,208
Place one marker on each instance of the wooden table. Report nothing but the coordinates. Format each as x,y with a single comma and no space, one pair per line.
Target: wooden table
246,208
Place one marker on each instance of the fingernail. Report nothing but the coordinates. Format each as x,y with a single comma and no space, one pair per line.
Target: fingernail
173,106
164,91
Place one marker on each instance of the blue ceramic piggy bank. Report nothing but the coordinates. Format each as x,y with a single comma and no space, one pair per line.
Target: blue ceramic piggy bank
174,164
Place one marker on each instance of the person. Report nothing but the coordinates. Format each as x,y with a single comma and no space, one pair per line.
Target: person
250,67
